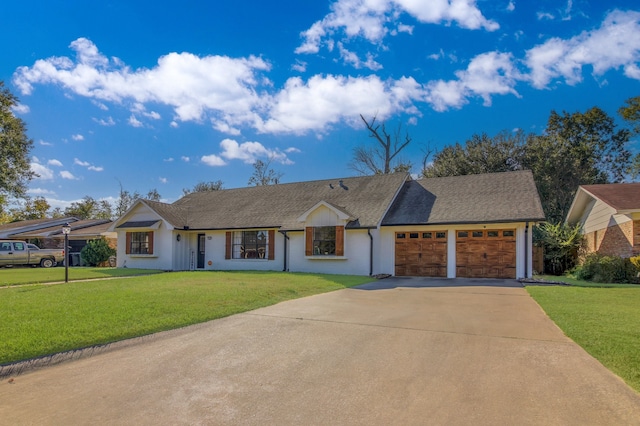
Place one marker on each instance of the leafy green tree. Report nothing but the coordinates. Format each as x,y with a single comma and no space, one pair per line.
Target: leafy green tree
382,157
204,187
89,208
56,213
32,208
263,174
97,251
562,244
14,148
576,149
480,154
630,112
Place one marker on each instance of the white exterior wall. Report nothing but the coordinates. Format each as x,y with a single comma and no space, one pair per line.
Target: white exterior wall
162,257
354,262
385,262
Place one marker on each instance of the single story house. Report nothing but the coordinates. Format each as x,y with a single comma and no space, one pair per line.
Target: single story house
464,226
609,215
47,233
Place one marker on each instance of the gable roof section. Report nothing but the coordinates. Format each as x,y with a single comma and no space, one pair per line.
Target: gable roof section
483,198
9,230
622,197
279,206
85,227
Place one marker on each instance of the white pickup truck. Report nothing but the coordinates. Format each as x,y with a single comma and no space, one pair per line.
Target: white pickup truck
21,253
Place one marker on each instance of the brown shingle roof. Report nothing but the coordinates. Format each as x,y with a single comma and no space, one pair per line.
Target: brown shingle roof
87,227
620,196
485,198
367,199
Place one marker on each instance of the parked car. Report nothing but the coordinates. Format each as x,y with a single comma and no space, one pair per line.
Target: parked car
21,253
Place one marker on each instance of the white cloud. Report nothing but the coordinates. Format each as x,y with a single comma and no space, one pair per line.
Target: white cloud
96,168
54,162
44,143
134,122
40,191
108,122
100,105
163,180
185,159
299,66
21,109
249,152
218,86
43,172
213,160
545,16
174,124
374,19
77,137
511,6
616,44
168,160
487,74
81,163
353,59
65,174
321,101
292,150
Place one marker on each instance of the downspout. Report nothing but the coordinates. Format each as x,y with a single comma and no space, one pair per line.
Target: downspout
526,250
286,238
370,252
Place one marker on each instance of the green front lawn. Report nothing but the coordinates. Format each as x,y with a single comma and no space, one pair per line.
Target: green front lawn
30,275
43,319
604,321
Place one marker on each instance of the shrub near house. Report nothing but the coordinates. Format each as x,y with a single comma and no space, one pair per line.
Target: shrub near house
97,252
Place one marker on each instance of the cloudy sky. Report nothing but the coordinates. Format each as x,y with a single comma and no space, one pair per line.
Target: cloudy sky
163,95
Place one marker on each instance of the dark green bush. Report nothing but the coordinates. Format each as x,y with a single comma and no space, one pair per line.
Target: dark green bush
606,269
97,251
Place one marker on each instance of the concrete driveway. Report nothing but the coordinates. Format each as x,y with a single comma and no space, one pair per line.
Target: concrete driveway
397,352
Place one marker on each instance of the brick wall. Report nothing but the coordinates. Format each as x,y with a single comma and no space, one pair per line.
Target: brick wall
620,240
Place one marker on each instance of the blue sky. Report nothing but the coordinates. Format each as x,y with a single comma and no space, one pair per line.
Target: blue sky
163,95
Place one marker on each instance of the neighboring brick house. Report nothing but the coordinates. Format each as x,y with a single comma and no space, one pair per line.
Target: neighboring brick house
610,218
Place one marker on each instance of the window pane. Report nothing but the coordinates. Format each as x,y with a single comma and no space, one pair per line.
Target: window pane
140,243
492,233
463,234
507,233
400,236
426,235
250,244
413,235
441,235
324,240
477,234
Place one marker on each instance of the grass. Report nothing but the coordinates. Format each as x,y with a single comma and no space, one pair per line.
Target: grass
568,279
29,275
604,321
42,319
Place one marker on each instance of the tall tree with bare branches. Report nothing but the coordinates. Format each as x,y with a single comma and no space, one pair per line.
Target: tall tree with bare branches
379,159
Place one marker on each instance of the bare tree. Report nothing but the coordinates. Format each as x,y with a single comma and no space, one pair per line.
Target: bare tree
204,187
379,159
263,175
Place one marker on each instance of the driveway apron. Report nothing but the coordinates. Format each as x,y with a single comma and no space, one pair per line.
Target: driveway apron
395,352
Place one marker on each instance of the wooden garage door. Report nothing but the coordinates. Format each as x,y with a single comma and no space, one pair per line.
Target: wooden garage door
421,254
486,253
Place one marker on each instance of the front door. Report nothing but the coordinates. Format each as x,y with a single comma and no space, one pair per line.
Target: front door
201,244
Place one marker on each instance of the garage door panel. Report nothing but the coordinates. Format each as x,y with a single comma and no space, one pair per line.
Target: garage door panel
486,254
421,254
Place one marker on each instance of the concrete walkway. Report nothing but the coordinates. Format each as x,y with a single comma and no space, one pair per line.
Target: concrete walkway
400,352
